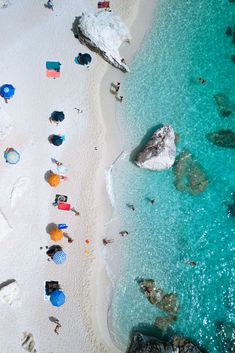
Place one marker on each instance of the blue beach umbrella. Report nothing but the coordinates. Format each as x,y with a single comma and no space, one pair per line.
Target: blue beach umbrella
11,156
56,140
59,257
7,91
83,59
57,298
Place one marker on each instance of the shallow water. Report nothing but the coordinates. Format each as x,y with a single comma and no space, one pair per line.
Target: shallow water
187,41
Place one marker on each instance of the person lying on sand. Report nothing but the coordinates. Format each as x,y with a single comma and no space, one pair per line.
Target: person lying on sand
107,241
75,212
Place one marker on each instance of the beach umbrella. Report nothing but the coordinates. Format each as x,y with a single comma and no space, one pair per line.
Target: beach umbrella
11,156
84,59
54,180
59,257
57,116
56,140
56,234
7,91
57,298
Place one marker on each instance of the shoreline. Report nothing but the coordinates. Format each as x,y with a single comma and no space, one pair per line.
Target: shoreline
112,150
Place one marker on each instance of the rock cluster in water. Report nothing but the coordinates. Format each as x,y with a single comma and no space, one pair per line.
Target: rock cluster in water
189,174
167,302
223,104
104,33
147,344
222,138
226,335
160,151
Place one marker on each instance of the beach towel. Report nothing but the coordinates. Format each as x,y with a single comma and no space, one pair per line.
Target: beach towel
53,65
103,4
64,206
53,73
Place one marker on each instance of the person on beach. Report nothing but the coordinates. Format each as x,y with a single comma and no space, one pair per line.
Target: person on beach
124,233
49,5
120,99
131,206
79,110
117,87
74,211
191,263
107,241
58,325
70,240
201,81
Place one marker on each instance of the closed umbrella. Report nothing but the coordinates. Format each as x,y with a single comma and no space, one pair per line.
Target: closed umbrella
57,116
54,180
7,91
59,257
57,140
57,298
11,156
56,234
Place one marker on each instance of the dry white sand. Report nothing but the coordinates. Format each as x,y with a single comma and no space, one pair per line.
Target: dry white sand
31,35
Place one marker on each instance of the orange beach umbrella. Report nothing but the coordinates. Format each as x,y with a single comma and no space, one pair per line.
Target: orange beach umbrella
56,234
54,180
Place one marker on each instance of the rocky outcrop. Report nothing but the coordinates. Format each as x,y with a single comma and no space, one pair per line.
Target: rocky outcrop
147,344
222,138
167,302
223,105
160,151
103,32
189,174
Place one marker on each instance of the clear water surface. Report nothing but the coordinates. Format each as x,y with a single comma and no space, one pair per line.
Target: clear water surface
187,41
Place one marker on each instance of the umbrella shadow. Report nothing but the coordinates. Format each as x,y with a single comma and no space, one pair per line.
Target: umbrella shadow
50,138
47,175
50,226
143,142
6,283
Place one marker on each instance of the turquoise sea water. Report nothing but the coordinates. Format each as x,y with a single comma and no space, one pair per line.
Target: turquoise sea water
187,41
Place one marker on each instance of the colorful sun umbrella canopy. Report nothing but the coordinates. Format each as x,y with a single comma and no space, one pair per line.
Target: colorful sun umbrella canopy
57,116
11,156
59,257
57,298
7,91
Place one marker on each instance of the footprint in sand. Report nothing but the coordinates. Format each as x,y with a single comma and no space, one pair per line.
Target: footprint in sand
27,342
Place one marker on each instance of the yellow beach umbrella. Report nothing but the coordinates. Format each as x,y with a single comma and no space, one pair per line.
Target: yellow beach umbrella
56,234
54,180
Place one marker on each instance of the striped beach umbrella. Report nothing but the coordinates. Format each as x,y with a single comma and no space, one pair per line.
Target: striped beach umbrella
7,91
11,156
59,257
57,298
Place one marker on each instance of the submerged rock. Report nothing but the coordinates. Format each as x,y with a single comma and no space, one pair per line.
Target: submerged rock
160,151
229,31
147,344
156,296
163,322
223,105
189,174
104,33
226,335
222,138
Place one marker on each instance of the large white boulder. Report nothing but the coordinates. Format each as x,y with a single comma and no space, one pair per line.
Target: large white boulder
160,151
103,32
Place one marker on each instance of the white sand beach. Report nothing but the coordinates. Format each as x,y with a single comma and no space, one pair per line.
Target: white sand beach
32,35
